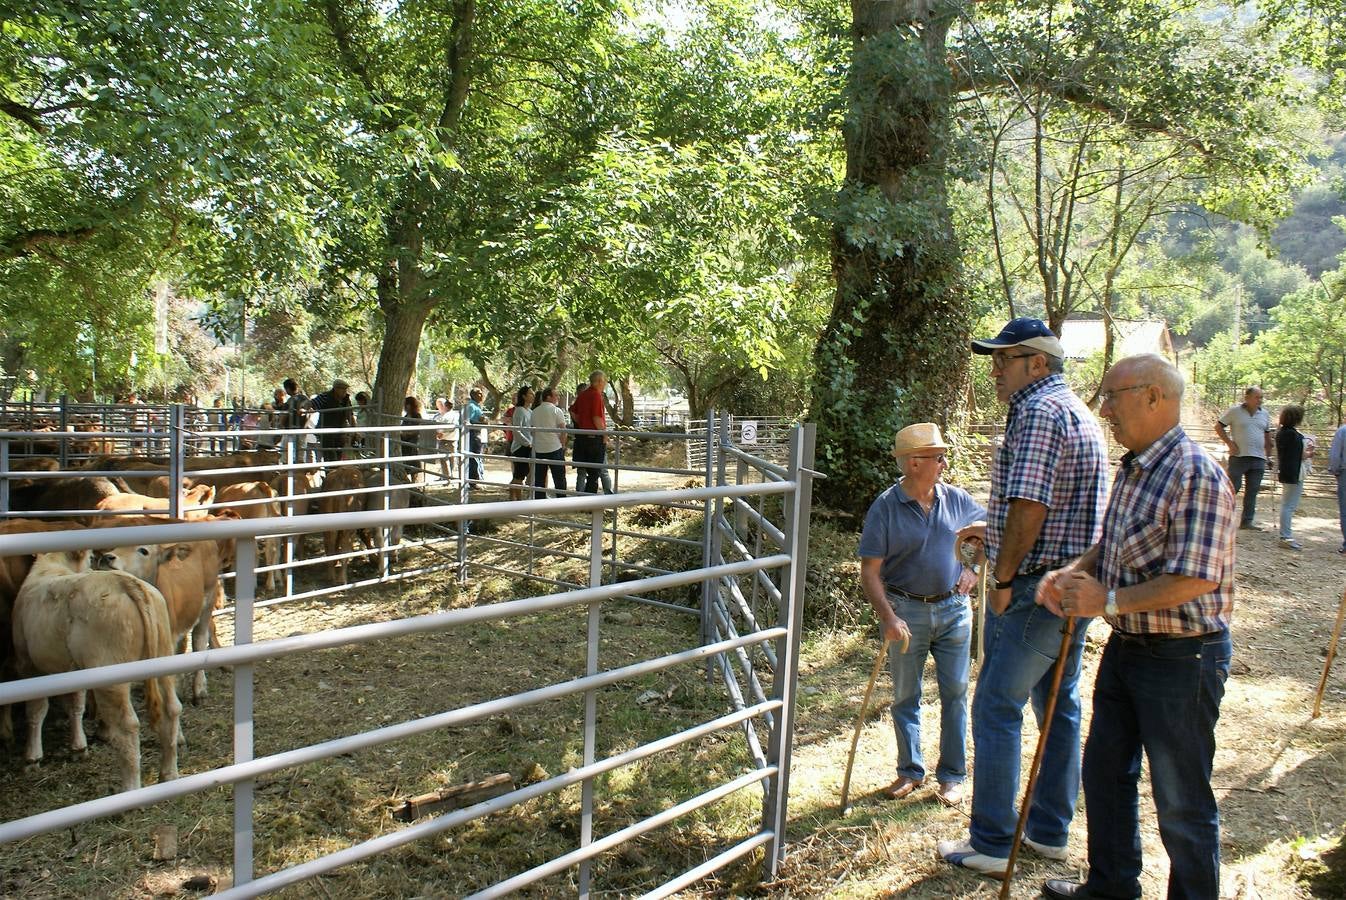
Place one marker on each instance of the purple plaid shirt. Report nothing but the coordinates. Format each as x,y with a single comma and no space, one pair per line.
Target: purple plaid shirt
1172,512
1053,454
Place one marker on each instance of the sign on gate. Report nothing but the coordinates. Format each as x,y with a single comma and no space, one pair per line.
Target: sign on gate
748,434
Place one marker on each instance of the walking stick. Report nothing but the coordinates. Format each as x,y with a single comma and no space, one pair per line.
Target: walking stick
860,720
1331,652
1067,633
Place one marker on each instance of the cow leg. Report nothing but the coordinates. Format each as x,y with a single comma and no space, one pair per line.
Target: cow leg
6,726
123,731
37,714
78,742
170,729
271,551
200,641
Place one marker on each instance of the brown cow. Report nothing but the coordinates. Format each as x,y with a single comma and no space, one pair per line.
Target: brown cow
73,494
13,570
187,573
67,618
192,501
345,478
255,491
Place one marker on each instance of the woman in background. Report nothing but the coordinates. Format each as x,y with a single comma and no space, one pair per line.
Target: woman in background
1291,451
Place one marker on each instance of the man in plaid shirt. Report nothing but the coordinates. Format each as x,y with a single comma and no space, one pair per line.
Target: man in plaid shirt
1163,575
1048,491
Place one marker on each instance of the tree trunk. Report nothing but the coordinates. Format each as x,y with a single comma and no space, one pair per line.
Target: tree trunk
402,326
895,350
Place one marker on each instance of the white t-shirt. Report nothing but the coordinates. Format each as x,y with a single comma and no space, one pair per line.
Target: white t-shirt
547,415
1247,430
519,422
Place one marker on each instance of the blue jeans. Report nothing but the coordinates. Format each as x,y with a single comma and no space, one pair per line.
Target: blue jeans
1341,506
942,630
1249,469
1020,652
1290,496
1162,697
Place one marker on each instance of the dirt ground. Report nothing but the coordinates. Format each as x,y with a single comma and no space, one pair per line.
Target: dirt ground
1278,773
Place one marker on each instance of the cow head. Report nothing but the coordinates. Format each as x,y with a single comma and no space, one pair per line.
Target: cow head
142,560
61,562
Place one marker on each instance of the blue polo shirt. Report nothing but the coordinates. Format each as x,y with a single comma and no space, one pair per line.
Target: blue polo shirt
918,549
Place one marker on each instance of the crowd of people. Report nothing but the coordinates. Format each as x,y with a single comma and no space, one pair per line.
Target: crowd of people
333,424
1152,553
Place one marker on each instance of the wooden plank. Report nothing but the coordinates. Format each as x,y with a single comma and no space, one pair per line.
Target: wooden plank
456,797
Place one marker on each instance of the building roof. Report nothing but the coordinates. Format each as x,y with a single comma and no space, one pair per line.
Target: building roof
1082,338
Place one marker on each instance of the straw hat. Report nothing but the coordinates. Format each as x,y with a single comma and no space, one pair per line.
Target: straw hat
921,436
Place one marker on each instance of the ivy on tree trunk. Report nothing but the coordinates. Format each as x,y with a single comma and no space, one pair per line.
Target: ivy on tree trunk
895,349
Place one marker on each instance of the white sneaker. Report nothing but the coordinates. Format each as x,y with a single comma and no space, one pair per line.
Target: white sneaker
1045,850
960,853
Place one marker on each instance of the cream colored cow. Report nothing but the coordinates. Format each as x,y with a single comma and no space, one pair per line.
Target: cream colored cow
232,494
66,618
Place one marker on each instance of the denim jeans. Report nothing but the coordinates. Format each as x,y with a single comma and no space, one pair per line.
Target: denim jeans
1249,469
555,461
1020,652
942,630
1290,496
590,449
1161,697
1341,506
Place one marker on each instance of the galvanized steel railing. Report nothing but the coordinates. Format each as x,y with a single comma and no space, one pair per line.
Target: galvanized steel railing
750,618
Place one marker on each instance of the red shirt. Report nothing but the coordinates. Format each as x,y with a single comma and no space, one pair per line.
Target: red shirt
588,408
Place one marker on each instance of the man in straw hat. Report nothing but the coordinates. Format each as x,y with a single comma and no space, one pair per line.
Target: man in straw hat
911,575
1048,489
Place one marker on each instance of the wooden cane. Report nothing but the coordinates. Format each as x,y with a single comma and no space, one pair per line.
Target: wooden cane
1067,633
1331,652
860,720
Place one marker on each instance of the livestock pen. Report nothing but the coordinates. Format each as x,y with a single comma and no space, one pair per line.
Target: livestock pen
637,591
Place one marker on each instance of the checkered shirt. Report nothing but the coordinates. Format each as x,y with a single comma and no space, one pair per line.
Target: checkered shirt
1053,454
1172,512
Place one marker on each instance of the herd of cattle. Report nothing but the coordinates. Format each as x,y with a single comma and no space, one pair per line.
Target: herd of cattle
77,610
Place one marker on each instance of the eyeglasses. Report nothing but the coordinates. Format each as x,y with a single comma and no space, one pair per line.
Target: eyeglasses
940,458
1000,360
1109,396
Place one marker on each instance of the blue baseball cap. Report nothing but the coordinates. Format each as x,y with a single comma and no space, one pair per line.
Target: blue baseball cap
1023,332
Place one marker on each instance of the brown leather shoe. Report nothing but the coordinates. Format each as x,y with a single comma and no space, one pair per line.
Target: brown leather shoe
901,788
950,793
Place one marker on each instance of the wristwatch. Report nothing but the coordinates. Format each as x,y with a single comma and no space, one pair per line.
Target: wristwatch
1002,585
1110,607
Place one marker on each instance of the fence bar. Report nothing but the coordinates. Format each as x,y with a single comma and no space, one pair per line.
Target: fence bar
797,508
591,697
762,522
714,864
617,838
246,587
707,525
56,819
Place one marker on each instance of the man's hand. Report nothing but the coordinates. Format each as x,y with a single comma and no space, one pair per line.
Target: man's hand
1050,590
1082,595
966,581
896,630
976,531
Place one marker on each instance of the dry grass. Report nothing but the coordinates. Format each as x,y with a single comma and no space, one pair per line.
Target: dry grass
1278,774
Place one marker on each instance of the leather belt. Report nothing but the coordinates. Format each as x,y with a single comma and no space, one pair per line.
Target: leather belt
1040,570
920,598
1161,636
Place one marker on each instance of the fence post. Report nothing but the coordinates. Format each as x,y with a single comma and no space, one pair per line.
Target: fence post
245,591
289,512
62,445
798,504
4,482
707,528
591,697
176,453
464,497
386,563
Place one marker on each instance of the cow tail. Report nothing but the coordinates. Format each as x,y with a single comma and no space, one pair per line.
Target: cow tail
157,642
